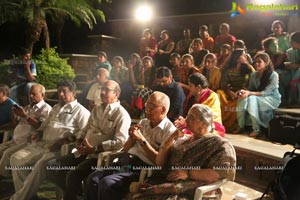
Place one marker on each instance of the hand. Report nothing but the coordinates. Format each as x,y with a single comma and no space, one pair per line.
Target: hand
243,94
135,133
161,51
170,141
85,147
180,122
130,66
19,111
233,95
177,175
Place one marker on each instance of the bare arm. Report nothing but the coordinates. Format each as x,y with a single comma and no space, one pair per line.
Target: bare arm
29,75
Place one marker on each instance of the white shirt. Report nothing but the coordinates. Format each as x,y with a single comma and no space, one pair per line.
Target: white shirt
108,126
64,121
154,136
94,94
24,129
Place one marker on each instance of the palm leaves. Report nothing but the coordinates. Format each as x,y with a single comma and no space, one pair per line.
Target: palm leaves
35,13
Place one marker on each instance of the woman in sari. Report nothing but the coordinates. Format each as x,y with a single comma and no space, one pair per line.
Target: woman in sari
191,161
201,94
235,76
261,98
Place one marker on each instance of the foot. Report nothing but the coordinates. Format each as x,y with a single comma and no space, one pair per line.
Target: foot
254,134
238,131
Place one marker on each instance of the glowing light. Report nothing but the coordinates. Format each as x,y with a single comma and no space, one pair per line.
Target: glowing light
143,13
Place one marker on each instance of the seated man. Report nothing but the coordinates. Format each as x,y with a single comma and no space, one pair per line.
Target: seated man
6,103
63,125
107,130
93,95
141,149
31,117
167,85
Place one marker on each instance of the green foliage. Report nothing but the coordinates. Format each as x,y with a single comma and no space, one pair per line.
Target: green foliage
52,69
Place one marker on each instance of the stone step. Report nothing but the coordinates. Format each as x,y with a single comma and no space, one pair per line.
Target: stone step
233,190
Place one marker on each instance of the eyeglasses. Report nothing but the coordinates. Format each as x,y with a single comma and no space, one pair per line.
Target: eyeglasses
106,89
151,106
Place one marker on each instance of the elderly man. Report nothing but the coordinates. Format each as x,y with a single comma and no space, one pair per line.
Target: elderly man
94,93
30,119
141,149
107,130
167,85
64,124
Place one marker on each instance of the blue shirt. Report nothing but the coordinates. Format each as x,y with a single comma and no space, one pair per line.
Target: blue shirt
6,111
19,69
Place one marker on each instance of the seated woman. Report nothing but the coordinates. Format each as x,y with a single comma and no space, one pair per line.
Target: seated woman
176,68
261,98
197,51
240,44
282,37
211,71
119,73
235,76
189,69
145,82
200,93
165,47
134,67
191,161
224,55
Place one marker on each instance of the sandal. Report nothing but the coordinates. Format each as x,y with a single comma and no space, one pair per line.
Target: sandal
238,131
254,134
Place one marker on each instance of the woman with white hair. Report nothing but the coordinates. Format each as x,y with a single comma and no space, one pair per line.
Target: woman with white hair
191,161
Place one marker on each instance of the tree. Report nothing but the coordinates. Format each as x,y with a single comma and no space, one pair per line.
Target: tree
35,13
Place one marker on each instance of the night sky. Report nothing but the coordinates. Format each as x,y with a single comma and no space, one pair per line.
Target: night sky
75,38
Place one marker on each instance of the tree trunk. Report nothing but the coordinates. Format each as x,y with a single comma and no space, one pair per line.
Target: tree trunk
33,34
59,25
46,34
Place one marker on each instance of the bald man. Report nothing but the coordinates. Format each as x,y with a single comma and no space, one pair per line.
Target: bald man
30,118
107,130
141,150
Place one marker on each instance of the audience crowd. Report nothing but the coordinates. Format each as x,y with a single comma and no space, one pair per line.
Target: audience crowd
186,95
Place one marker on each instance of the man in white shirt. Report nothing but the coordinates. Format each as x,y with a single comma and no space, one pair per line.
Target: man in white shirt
30,119
142,147
107,130
63,125
94,93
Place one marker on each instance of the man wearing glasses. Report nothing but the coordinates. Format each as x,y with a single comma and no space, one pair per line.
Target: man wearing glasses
107,130
63,125
141,149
